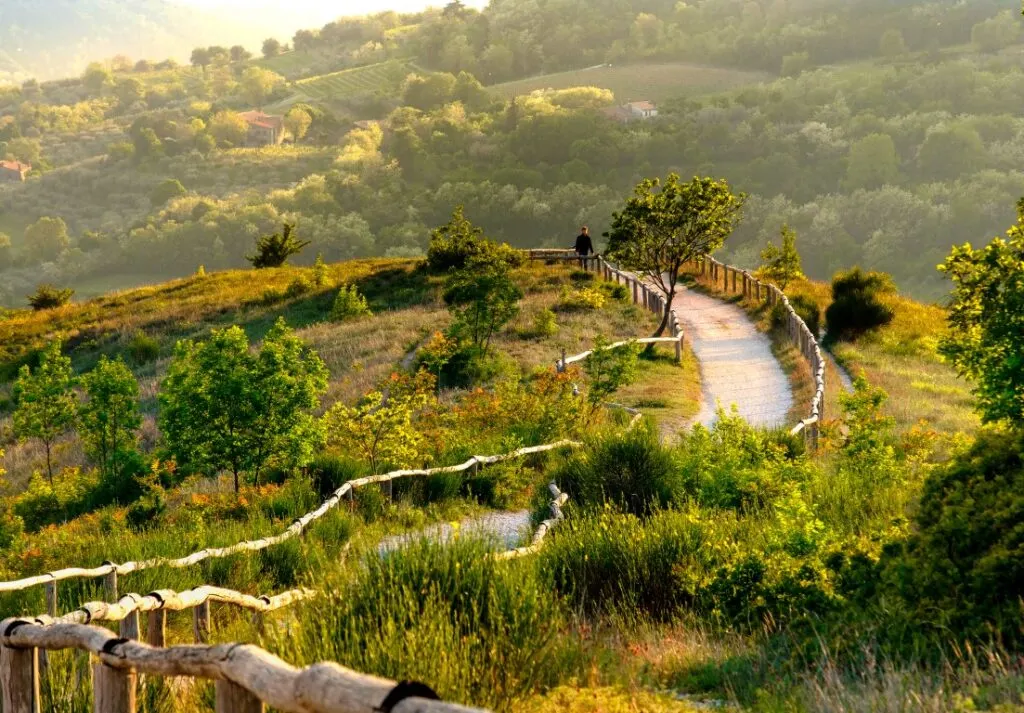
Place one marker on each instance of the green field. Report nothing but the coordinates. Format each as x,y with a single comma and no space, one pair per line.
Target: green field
651,81
384,77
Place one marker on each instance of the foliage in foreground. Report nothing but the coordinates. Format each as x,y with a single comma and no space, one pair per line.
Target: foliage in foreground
479,631
986,342
856,304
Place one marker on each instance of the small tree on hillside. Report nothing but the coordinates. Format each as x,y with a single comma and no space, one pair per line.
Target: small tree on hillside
225,408
109,419
986,339
297,121
380,428
49,297
45,403
781,265
665,225
275,249
608,370
271,47
483,298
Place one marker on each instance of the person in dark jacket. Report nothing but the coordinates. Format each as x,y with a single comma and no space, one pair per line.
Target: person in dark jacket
584,245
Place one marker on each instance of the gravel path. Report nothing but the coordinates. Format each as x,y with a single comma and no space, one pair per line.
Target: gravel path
736,362
505,528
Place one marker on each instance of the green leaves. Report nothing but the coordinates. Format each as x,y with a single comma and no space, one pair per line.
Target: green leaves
782,264
483,298
609,369
109,418
986,317
224,408
666,224
45,402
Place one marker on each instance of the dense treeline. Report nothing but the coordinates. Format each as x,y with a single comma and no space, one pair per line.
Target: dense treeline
885,163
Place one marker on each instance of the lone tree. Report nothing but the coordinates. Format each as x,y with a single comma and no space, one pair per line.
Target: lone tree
45,403
483,298
664,225
986,339
223,407
109,419
782,264
275,249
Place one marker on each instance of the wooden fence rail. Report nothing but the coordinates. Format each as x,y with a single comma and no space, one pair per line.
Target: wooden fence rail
732,280
247,677
110,571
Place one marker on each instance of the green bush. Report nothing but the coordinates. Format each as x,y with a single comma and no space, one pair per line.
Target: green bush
479,631
349,304
615,291
545,324
961,573
805,308
736,466
581,300
330,472
49,297
631,470
855,307
143,349
299,286
147,512
582,276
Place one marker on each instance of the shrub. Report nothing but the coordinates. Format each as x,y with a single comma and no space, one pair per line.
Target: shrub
545,324
631,470
614,291
855,307
805,307
330,472
349,304
582,276
320,277
143,349
299,286
147,512
737,466
49,297
582,299
962,571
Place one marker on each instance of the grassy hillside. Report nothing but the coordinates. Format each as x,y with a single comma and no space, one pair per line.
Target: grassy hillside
632,82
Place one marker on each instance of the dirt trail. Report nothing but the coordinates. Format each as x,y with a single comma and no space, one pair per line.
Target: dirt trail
736,362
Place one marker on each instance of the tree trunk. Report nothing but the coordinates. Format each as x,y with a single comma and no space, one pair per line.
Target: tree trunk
668,310
235,473
49,466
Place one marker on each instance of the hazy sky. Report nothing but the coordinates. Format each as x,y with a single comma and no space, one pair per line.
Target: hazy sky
313,13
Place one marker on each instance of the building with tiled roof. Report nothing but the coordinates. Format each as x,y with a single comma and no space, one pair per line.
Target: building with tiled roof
14,171
264,129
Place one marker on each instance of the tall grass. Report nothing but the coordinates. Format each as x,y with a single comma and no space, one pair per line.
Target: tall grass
476,630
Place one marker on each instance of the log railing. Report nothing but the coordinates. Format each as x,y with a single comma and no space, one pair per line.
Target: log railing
247,677
110,571
733,280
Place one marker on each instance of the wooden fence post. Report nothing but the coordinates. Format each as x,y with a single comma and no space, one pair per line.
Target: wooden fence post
232,698
110,584
734,280
679,344
19,680
129,626
634,291
201,622
156,628
113,689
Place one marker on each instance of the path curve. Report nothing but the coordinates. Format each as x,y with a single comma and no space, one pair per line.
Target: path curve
736,362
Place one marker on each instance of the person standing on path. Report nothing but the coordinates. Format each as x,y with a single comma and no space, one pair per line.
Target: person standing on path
584,245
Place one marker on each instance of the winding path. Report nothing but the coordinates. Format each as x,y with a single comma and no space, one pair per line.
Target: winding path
736,362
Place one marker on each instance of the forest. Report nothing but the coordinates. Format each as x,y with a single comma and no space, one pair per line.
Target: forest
888,135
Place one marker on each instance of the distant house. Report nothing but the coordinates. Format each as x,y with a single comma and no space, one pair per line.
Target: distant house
14,171
631,111
264,129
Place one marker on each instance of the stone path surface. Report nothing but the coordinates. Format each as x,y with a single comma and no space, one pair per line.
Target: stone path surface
505,528
736,362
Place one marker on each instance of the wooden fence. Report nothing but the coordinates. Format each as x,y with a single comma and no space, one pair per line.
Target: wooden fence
733,280
110,571
247,678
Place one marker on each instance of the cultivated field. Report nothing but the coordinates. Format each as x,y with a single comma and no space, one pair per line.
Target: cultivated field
384,77
653,81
